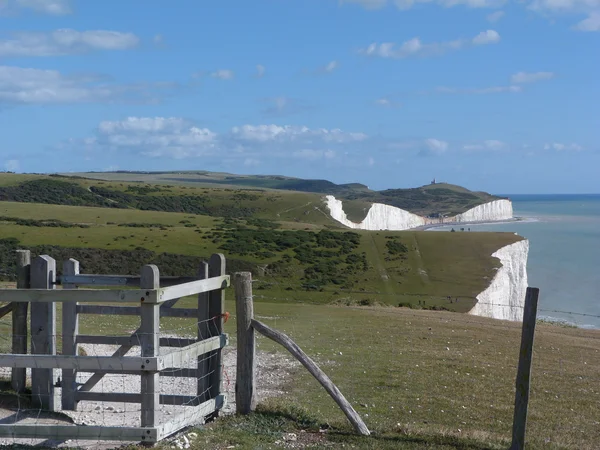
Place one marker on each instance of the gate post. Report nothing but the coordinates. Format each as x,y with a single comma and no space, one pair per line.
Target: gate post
149,340
19,320
70,328
43,333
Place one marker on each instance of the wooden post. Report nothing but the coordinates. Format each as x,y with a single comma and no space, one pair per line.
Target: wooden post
43,333
149,341
19,320
524,370
204,332
316,372
216,308
70,329
245,385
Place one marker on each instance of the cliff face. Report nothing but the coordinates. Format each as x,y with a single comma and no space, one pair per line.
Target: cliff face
379,217
496,210
385,217
505,296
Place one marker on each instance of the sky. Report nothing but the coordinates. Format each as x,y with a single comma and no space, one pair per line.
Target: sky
494,95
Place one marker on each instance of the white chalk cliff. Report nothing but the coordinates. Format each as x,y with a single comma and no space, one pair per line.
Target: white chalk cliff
379,217
386,217
492,211
504,298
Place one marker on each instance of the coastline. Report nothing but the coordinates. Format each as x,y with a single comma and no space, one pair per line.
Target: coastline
434,226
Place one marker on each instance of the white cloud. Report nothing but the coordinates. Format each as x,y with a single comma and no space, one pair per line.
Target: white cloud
407,4
277,133
369,4
485,90
592,23
28,86
486,37
177,138
433,147
387,102
414,46
158,39
251,162
65,41
50,7
282,106
524,77
313,155
260,71
223,74
12,165
331,66
495,16
491,145
563,147
564,6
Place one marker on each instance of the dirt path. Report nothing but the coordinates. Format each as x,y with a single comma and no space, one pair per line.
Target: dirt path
273,374
389,289
420,266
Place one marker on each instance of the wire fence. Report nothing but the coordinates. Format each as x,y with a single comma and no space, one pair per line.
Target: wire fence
112,398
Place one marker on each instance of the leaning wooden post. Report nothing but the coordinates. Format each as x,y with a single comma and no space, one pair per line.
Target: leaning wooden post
43,333
19,320
245,386
524,370
316,372
70,328
203,386
149,342
216,309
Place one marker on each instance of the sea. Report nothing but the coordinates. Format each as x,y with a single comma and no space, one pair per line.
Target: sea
564,255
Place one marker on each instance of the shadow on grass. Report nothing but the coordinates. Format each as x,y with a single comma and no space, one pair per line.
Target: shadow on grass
272,424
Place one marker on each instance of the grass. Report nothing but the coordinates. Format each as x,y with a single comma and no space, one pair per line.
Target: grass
428,380
437,265
419,379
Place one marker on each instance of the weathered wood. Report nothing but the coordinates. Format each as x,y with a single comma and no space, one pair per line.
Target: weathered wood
316,372
174,372
63,432
245,386
216,282
4,310
43,334
82,295
19,319
120,397
79,363
107,310
132,341
121,351
524,369
70,329
182,356
216,309
149,335
194,417
204,332
117,280
134,310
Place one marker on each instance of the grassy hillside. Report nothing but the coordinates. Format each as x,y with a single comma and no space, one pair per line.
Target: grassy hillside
293,261
437,199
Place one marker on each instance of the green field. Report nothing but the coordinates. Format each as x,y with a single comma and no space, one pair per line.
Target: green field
434,265
433,199
420,378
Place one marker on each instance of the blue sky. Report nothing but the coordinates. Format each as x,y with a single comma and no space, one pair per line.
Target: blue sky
490,94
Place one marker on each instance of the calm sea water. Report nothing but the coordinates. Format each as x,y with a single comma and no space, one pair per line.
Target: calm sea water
564,255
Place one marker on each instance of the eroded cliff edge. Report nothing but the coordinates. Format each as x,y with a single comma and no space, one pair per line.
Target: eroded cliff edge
504,298
386,217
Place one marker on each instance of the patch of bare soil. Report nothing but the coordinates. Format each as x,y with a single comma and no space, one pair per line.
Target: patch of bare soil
274,373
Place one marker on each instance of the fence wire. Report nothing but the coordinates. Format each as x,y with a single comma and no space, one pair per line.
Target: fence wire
113,399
